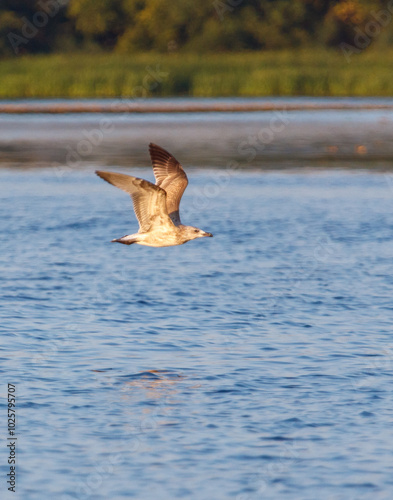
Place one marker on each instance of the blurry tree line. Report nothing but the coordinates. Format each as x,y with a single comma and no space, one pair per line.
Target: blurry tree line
31,26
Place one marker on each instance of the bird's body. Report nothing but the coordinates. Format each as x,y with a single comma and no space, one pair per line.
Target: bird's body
160,237
156,206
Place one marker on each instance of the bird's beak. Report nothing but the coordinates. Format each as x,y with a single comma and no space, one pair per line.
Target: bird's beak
208,234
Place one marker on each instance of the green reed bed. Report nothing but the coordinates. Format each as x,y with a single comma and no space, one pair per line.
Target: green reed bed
283,73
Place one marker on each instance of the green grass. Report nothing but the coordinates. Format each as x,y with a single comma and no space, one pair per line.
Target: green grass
284,73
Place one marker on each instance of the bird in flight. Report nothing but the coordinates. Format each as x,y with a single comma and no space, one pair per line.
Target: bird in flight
156,205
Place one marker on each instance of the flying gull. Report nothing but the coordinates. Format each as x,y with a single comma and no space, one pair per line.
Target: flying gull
156,205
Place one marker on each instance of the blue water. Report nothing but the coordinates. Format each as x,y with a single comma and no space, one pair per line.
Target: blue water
256,364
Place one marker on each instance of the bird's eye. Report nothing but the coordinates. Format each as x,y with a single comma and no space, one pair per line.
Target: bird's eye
196,231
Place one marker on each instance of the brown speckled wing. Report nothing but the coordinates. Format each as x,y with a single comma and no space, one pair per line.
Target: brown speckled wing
171,177
149,200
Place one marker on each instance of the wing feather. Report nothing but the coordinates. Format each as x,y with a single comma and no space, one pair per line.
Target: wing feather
171,177
148,199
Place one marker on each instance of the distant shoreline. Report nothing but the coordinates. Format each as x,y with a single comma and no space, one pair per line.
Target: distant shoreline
181,107
136,78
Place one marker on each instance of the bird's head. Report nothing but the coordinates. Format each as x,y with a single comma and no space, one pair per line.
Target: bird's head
193,232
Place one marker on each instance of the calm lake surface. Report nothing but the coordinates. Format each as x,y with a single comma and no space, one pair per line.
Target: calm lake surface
255,364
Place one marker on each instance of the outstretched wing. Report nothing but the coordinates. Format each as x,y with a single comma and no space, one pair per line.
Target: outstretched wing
170,176
149,200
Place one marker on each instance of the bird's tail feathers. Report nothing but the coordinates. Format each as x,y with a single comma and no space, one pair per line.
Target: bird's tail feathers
128,239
